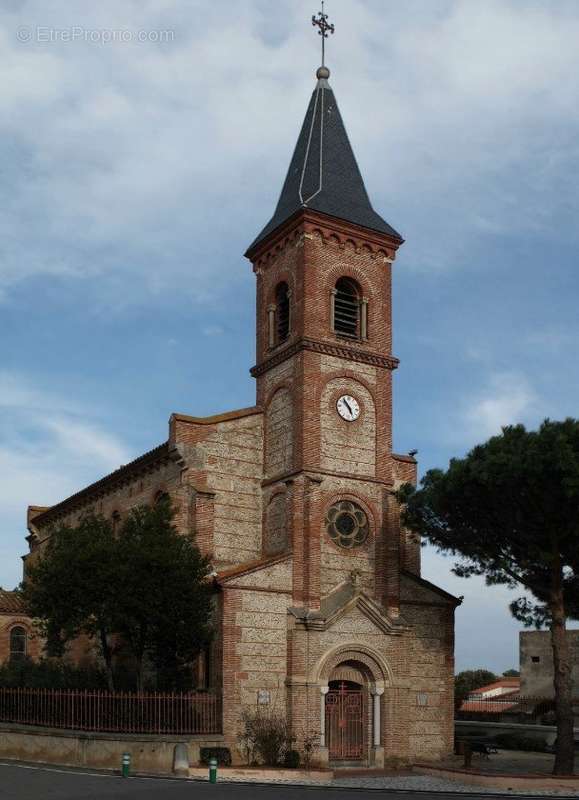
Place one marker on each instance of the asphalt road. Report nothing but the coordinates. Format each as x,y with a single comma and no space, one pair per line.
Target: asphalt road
21,782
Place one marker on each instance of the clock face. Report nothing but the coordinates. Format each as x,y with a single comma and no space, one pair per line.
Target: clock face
348,408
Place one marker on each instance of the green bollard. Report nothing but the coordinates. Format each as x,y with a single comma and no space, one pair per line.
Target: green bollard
126,765
213,770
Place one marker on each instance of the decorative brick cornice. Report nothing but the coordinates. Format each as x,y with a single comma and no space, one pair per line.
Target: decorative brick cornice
306,221
328,349
215,419
407,459
319,477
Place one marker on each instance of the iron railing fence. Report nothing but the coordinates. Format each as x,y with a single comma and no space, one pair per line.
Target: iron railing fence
113,712
510,708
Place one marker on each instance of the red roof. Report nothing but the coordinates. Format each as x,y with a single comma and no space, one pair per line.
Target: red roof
10,603
502,683
492,705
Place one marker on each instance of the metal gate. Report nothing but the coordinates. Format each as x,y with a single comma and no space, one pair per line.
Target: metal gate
345,722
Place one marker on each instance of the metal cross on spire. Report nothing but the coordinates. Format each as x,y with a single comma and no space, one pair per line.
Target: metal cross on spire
325,28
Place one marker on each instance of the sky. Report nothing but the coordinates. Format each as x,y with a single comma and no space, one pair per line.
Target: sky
143,145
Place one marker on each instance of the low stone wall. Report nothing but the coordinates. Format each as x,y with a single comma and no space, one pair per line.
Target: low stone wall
149,753
258,774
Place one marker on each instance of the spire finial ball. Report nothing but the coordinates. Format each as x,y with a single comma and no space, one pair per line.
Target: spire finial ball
323,73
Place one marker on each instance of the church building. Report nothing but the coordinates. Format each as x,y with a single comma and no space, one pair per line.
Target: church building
322,611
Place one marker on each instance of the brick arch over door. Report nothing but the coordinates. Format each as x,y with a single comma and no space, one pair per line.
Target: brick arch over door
349,671
367,661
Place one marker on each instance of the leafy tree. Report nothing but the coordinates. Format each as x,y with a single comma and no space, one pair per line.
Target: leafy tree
510,511
142,593
72,588
50,674
469,680
166,601
511,673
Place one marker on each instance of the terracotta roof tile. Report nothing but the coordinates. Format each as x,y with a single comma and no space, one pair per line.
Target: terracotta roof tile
502,683
10,603
492,705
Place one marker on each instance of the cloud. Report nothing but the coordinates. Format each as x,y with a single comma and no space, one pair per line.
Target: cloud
506,399
53,441
138,164
49,448
17,393
91,443
213,330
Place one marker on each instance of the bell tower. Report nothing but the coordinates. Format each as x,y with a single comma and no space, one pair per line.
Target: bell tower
324,368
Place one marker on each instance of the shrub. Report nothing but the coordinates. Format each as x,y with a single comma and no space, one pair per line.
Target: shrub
222,754
265,736
310,740
292,759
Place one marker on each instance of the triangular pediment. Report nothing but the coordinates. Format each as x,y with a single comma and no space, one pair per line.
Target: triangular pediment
268,573
348,600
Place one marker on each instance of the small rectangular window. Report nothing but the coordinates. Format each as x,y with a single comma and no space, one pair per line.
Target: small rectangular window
535,659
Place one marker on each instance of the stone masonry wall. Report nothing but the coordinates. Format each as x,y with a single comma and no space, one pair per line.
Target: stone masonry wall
254,645
430,670
347,446
225,458
405,471
536,663
276,534
279,433
338,563
311,261
417,704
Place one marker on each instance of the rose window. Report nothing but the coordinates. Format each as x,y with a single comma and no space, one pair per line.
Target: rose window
347,524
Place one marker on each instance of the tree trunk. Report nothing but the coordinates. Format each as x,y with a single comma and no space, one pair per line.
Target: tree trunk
107,657
565,754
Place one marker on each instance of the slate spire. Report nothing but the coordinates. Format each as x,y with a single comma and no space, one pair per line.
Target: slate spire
323,174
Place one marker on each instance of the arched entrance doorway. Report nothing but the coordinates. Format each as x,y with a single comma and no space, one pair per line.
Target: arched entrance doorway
353,680
346,721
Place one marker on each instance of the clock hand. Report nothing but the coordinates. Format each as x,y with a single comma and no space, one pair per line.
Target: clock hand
348,406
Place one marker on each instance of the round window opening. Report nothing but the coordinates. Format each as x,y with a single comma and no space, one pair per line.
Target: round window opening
347,524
